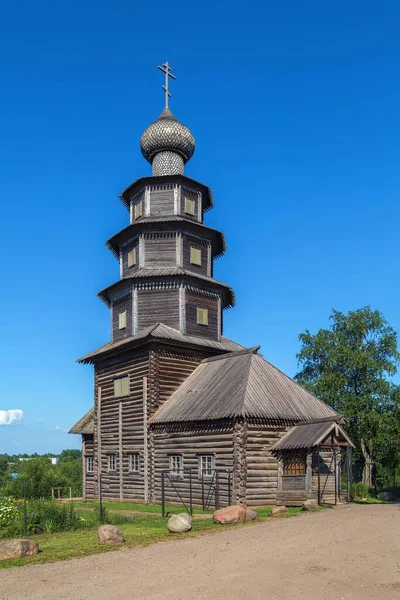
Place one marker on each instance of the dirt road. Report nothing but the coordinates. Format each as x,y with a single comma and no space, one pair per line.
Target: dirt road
351,553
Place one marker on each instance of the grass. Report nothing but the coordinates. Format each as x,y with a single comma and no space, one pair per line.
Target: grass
142,531
145,508
369,500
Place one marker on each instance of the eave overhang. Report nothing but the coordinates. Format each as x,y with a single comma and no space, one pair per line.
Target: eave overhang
173,223
134,187
168,276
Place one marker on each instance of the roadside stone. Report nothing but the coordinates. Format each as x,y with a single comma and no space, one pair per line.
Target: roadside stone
310,505
251,515
109,534
180,523
18,549
278,510
230,515
386,496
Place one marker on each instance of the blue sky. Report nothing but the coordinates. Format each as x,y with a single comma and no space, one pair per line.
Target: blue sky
295,111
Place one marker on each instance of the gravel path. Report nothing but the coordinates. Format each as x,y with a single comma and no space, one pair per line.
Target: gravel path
351,553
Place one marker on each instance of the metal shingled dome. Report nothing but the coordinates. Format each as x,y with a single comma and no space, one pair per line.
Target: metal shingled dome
167,134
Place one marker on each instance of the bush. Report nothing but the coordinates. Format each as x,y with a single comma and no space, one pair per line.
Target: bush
360,491
42,516
105,517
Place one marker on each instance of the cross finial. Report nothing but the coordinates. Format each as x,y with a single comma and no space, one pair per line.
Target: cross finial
167,70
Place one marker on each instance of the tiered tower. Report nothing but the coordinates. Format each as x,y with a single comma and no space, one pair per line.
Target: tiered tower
166,253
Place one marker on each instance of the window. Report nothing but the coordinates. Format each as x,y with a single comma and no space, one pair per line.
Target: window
293,466
138,210
195,256
89,464
121,387
134,462
206,465
112,462
202,316
190,206
132,257
176,464
122,320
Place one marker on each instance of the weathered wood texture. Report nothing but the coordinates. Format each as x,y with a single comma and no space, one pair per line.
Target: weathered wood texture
162,200
126,248
158,306
196,197
132,426
194,301
160,250
191,442
327,475
262,465
202,245
89,481
118,306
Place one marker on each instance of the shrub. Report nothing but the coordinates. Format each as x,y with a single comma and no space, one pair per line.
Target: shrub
8,511
360,491
42,516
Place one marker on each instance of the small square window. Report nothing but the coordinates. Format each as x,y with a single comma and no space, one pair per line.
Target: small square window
134,462
112,462
195,256
89,464
176,465
202,316
122,320
138,210
190,206
121,387
132,257
206,465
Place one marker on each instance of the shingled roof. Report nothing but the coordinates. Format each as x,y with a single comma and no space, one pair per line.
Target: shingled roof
85,424
241,384
311,434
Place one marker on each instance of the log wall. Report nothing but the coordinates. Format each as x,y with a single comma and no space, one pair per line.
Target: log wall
88,480
158,306
118,306
194,301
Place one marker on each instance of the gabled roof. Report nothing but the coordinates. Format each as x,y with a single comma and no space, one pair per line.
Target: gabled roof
168,223
241,384
159,332
227,293
309,435
85,424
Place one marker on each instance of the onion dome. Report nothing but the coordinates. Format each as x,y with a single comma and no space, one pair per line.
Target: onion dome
167,144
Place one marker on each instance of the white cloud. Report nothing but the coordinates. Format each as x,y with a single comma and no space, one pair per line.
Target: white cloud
9,416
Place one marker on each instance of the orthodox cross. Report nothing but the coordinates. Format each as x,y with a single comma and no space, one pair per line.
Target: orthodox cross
167,70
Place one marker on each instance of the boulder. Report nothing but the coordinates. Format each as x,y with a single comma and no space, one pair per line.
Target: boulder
251,515
18,549
386,496
278,510
230,515
310,505
180,523
109,534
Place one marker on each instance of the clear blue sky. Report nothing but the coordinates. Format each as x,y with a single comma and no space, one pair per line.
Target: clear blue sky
295,110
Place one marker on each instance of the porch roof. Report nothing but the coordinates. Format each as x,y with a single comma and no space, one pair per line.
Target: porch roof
313,433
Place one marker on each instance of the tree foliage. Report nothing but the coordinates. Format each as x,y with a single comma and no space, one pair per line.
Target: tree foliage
350,366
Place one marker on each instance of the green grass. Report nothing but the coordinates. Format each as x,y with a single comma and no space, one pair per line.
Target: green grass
369,501
142,531
146,508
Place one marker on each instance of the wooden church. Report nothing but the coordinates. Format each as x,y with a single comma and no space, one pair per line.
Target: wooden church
175,401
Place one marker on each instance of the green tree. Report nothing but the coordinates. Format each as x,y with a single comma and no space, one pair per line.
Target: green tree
350,366
75,454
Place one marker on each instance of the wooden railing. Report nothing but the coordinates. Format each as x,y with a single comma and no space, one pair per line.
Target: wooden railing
66,493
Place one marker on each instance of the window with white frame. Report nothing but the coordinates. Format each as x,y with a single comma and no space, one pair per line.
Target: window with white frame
206,465
195,256
121,386
202,316
134,462
122,320
190,206
176,464
132,257
138,210
89,464
112,462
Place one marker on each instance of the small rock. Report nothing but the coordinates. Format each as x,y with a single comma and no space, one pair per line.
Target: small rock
251,515
229,515
109,534
310,505
18,549
386,496
278,510
180,523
